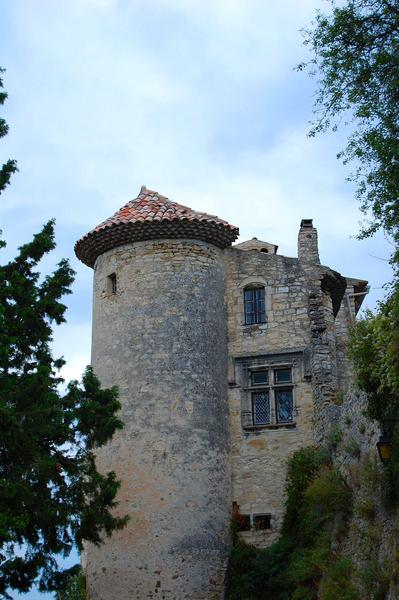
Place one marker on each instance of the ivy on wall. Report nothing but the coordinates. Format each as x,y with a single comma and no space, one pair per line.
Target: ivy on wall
302,564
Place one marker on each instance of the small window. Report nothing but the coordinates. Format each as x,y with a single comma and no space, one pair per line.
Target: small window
260,377
243,522
282,375
254,305
265,250
262,522
112,284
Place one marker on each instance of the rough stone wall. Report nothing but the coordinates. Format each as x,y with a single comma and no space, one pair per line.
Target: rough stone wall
370,539
259,455
161,338
323,359
343,322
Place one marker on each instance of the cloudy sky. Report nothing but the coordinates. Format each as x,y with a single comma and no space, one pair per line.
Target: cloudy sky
197,99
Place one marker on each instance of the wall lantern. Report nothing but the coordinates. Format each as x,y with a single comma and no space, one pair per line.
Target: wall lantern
384,448
384,444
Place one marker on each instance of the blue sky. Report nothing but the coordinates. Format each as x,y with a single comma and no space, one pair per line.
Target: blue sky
197,99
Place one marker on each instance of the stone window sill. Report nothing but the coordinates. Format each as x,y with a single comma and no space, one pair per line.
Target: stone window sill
270,426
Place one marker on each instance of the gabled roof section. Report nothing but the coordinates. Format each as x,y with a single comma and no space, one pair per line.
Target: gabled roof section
153,216
257,245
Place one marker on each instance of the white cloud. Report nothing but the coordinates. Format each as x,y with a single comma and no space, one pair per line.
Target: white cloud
73,341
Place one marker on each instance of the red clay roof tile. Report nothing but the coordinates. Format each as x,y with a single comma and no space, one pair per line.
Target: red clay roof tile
153,216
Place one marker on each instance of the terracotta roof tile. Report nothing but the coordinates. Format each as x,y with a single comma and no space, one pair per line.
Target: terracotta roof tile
153,216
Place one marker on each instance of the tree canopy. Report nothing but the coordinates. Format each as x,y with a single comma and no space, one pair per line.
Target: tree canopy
355,60
11,165
51,495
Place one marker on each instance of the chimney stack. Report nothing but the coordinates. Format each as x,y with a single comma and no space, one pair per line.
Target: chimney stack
308,250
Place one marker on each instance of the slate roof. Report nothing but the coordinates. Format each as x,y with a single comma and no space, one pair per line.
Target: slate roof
153,216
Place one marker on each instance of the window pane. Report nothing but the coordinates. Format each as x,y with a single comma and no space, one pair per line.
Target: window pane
249,295
284,406
260,305
260,377
249,317
282,375
262,521
249,305
261,408
243,522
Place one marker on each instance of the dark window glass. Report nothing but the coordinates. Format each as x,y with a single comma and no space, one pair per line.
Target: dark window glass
262,521
243,522
260,377
284,406
282,375
254,305
261,408
112,285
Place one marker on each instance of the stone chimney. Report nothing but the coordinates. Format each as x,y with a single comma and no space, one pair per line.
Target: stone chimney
308,250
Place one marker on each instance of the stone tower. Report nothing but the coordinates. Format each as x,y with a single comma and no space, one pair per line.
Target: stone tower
159,334
228,359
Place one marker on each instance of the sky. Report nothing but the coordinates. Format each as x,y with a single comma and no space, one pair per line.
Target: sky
197,99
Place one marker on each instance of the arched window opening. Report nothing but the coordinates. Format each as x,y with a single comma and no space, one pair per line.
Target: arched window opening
254,305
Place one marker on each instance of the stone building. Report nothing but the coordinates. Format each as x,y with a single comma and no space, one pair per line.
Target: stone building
222,355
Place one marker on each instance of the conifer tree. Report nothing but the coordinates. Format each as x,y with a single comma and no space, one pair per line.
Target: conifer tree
11,165
51,495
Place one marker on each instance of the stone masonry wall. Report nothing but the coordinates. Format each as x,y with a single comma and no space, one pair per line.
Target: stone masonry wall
259,455
161,338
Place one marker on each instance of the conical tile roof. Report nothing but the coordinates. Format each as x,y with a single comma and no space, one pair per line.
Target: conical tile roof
152,216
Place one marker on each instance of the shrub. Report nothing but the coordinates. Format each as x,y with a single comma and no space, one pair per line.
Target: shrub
353,448
335,437
302,469
365,508
294,566
337,582
375,579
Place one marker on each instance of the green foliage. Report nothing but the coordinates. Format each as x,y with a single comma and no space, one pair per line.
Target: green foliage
337,582
75,588
301,562
51,495
354,50
364,507
339,398
375,579
302,468
10,166
335,436
374,349
352,448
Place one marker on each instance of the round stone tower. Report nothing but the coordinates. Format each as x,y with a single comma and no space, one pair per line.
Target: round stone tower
159,334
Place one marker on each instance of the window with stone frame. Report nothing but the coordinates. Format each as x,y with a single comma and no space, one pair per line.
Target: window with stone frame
254,305
112,286
272,395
